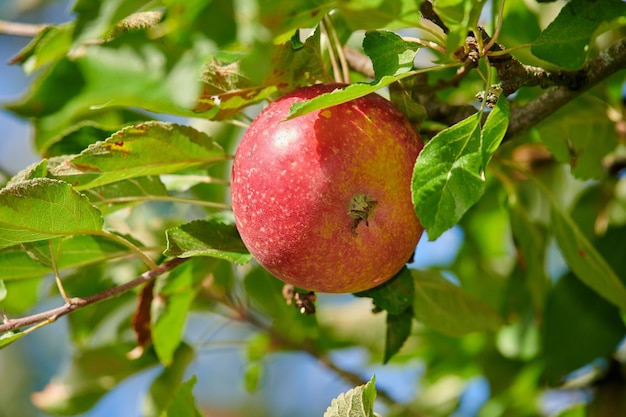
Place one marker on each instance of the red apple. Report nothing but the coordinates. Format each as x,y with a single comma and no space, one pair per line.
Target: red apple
323,201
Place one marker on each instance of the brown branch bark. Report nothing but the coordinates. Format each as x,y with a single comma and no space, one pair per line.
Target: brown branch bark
605,64
78,303
514,75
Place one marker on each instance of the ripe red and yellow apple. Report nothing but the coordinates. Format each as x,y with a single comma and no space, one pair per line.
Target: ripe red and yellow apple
323,200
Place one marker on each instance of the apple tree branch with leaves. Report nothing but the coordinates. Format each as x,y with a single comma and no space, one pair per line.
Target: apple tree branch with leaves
138,109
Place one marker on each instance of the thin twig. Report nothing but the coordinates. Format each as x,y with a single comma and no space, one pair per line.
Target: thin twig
20,29
78,303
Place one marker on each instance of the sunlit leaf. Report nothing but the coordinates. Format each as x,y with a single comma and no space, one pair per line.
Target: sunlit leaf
566,40
445,307
149,148
390,54
215,237
342,95
43,208
358,401
449,175
3,290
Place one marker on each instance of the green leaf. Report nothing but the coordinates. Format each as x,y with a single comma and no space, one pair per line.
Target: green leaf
398,331
22,295
580,134
375,14
79,135
9,337
149,148
445,307
252,376
50,44
460,16
584,260
3,290
342,95
265,294
104,322
395,295
165,388
43,208
400,94
114,196
284,17
18,262
183,404
177,291
95,18
390,54
578,410
130,71
449,174
91,375
494,129
357,402
216,237
565,42
531,241
296,65
573,312
448,177
36,170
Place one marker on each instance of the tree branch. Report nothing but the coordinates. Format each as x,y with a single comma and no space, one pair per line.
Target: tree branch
20,29
78,303
514,75
605,64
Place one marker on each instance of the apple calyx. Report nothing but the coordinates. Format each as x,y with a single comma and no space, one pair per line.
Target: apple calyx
360,208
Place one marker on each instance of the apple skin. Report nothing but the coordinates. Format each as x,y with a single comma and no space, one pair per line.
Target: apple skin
299,188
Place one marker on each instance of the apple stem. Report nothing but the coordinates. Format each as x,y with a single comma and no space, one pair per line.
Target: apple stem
361,207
